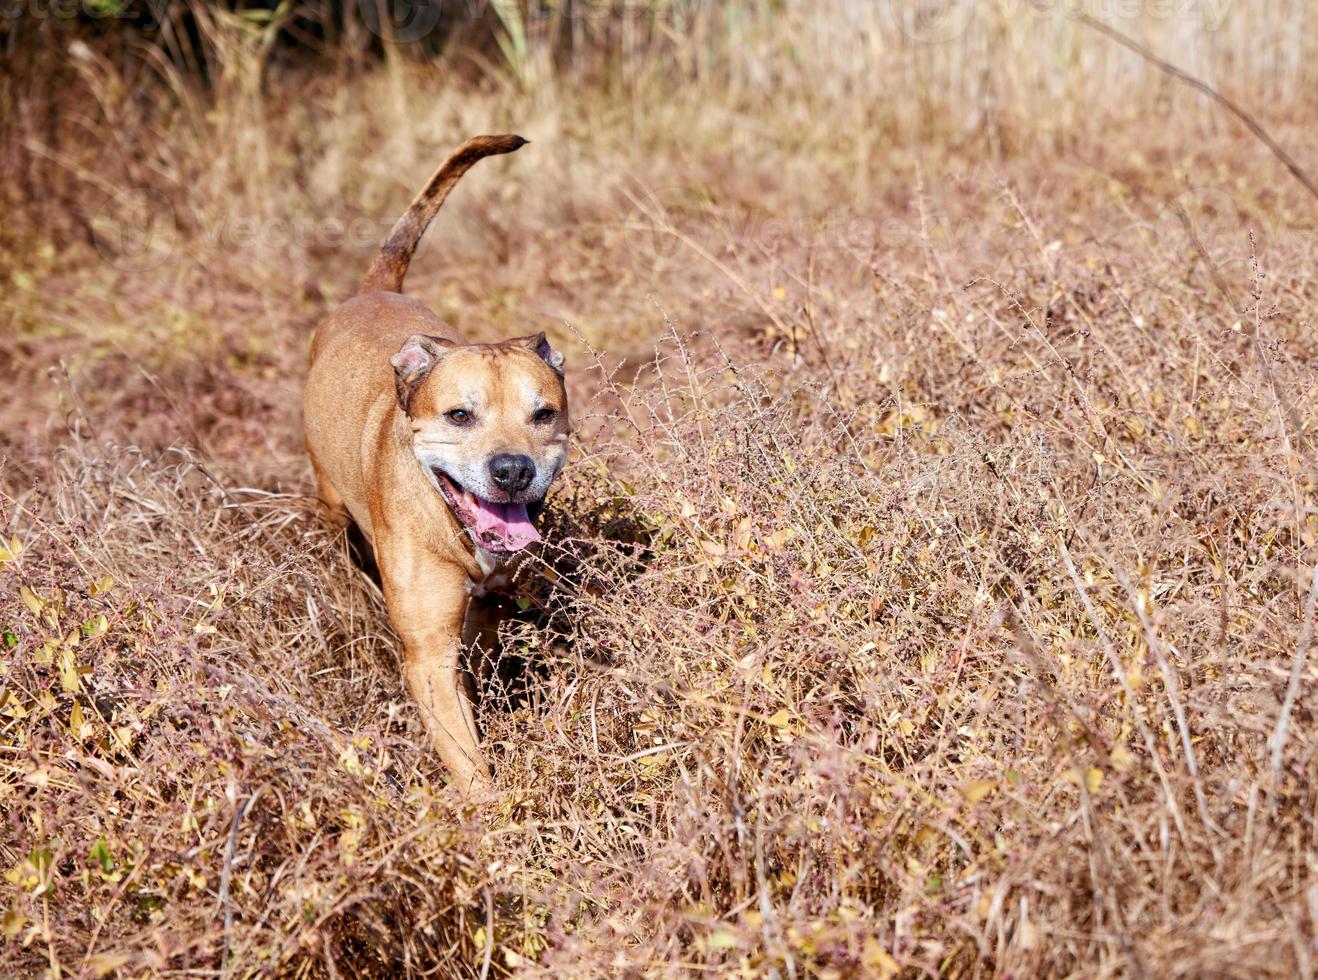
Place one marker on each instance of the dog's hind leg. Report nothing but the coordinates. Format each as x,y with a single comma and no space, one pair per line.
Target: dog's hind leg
332,508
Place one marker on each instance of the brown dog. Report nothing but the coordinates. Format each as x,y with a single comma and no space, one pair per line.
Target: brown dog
441,451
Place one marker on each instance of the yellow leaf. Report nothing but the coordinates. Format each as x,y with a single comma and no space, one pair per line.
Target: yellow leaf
103,964
925,835
11,549
351,761
653,763
68,671
877,962
12,706
30,599
101,585
1122,760
723,939
780,719
975,791
13,923
1093,778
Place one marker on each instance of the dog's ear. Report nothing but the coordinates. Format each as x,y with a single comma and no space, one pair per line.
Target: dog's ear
538,345
414,362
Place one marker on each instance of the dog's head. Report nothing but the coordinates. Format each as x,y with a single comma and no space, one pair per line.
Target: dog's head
490,426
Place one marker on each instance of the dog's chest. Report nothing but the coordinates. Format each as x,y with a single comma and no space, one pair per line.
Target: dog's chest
494,574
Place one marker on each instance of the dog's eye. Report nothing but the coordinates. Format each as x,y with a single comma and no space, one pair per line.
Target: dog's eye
458,416
544,415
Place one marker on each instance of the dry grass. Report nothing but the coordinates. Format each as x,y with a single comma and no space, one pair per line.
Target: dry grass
930,593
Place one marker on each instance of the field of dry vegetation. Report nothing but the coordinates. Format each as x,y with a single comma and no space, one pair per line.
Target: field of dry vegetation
932,587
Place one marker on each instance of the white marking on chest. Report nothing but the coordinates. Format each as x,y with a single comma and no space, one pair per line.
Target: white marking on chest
493,575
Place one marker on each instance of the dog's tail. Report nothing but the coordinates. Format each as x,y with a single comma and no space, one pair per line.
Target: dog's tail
390,266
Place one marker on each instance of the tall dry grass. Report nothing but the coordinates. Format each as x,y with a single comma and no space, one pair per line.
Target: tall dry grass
930,593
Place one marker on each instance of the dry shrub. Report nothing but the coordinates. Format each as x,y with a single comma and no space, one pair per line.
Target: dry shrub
182,649
837,681
934,601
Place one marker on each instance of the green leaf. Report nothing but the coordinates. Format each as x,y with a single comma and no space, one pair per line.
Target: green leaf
512,39
100,854
96,626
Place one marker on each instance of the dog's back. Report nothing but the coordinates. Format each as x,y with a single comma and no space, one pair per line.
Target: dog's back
350,385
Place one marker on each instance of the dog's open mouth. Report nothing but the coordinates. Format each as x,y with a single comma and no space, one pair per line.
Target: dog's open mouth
493,526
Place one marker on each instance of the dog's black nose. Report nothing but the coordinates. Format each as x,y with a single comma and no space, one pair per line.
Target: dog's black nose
512,473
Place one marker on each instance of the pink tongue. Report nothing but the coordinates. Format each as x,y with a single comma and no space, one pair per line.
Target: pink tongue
508,525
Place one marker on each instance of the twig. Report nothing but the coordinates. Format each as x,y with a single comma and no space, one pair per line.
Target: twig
223,898
1278,739
489,934
731,274
1207,90
1213,274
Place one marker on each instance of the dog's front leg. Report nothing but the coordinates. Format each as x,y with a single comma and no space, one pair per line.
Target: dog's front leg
427,601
